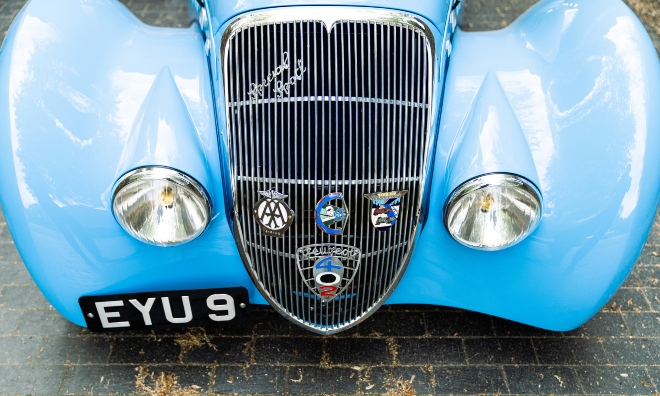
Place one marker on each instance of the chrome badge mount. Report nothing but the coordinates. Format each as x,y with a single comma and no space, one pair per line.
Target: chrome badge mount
385,208
328,268
331,213
273,215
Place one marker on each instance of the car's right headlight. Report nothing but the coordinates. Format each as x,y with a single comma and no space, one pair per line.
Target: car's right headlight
493,211
161,206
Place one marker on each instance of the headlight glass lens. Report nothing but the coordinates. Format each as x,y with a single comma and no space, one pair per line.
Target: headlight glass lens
161,206
493,212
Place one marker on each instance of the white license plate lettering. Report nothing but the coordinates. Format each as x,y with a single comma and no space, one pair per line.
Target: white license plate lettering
152,310
228,306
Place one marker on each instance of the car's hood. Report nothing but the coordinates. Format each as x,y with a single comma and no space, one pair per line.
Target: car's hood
433,10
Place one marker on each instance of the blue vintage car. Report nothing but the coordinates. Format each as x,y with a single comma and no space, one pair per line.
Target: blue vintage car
327,157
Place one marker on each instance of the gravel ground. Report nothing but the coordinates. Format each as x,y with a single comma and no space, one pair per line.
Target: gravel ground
401,350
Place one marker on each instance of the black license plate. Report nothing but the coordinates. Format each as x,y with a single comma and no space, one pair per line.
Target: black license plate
168,309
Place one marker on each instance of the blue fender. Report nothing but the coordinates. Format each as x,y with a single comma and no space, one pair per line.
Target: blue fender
572,89
87,92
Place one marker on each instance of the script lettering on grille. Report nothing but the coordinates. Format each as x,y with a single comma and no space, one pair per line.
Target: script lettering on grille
281,86
349,252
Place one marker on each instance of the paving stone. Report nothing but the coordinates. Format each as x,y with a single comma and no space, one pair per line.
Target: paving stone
556,351
649,256
372,380
632,280
75,350
628,300
288,350
243,329
45,322
459,324
357,351
253,379
23,297
643,324
654,239
187,377
19,350
654,374
8,321
603,324
224,350
505,327
99,380
420,379
469,380
4,230
652,346
649,276
320,380
430,351
615,380
542,380
14,274
628,351
653,296
401,380
390,323
499,351
271,323
31,380
9,254
143,350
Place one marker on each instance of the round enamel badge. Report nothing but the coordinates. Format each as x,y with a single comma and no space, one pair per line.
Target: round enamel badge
272,213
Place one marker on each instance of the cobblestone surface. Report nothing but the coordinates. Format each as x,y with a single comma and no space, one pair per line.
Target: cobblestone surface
400,350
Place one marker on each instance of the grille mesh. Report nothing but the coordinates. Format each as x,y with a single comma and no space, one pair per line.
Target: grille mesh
356,122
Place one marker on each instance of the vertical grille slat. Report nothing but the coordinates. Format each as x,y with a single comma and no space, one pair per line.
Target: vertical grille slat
356,122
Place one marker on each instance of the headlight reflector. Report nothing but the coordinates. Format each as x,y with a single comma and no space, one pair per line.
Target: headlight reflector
493,211
161,206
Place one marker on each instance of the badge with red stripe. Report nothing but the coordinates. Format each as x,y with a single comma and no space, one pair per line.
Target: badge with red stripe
328,268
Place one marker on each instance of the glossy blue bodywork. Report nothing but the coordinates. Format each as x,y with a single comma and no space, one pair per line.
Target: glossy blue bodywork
566,96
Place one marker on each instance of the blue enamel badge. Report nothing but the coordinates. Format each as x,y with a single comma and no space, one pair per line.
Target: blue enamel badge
328,268
331,213
385,208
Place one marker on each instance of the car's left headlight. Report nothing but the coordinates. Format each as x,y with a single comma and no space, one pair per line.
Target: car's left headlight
493,211
161,206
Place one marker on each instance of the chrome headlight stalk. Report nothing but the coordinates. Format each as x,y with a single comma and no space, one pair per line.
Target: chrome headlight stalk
493,211
161,206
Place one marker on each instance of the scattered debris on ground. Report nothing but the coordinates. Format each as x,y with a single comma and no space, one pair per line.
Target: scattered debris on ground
400,387
193,338
392,348
300,377
325,358
163,384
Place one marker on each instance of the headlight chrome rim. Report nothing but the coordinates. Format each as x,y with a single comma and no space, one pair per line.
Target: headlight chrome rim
501,179
162,173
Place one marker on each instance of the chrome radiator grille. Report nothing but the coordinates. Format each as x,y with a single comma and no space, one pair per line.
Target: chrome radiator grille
349,113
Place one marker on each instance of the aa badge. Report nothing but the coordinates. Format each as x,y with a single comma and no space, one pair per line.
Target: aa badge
385,208
272,214
328,268
331,213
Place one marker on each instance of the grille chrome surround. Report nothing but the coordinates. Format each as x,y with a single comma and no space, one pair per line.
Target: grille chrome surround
358,121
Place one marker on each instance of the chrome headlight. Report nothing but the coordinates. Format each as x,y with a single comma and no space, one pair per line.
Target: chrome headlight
161,206
493,212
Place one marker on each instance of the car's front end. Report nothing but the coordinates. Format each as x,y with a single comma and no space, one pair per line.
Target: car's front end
327,158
